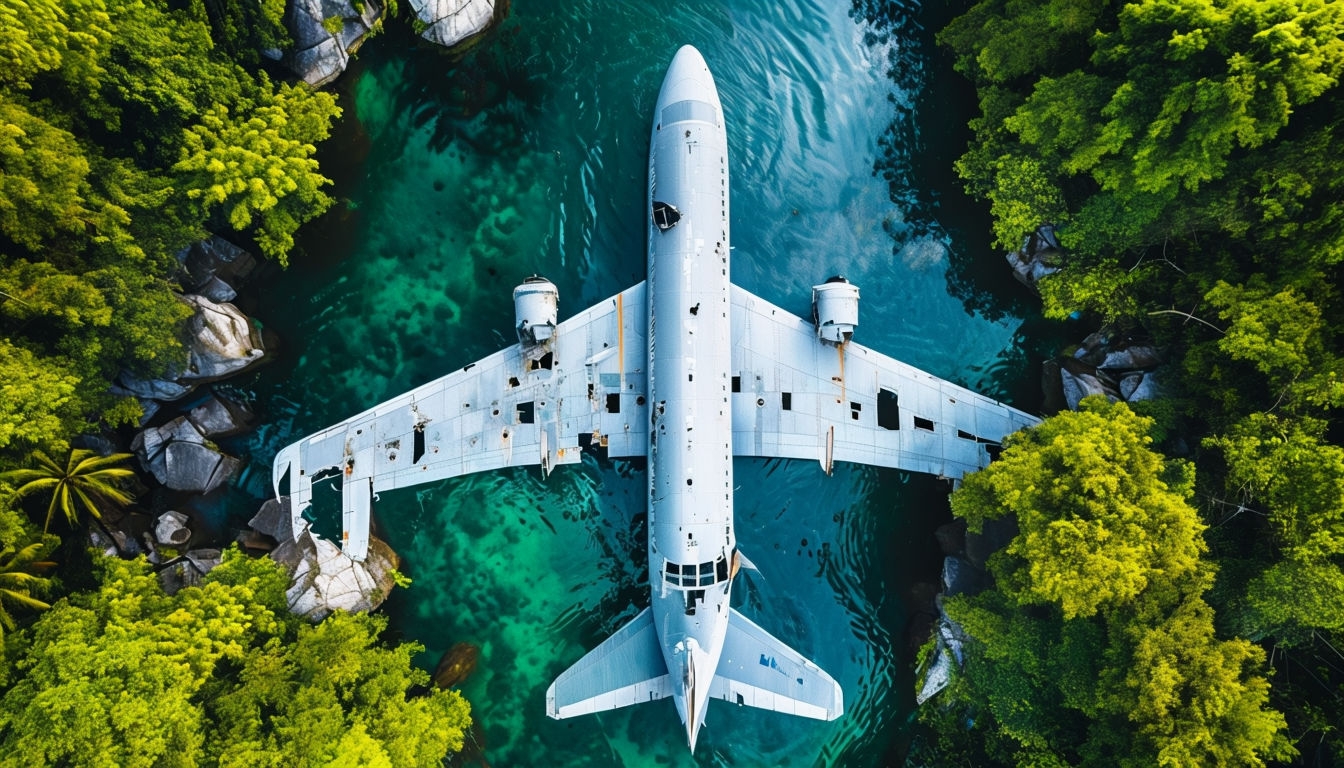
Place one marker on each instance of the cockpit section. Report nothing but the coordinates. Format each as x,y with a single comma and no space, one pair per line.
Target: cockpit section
696,576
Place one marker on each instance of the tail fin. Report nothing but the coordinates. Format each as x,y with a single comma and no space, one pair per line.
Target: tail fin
627,668
759,671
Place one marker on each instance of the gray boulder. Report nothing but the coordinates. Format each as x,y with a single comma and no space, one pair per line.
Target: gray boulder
189,570
1080,385
1149,388
324,579
214,267
221,341
273,519
320,55
150,389
1038,256
178,456
960,577
452,22
221,417
1131,358
171,530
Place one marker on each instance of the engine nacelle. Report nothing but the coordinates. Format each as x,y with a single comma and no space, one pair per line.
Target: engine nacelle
536,310
835,310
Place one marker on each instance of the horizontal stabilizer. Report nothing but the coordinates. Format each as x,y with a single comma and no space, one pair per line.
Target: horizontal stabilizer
627,668
757,670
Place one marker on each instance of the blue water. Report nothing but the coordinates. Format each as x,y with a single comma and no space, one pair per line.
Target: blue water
459,178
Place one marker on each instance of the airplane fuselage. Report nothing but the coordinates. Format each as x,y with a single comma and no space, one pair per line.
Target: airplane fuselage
691,539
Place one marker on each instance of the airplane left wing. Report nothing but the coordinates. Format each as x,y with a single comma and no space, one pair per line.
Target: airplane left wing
541,404
799,398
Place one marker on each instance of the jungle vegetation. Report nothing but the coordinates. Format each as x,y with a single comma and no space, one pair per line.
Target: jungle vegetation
1174,594
130,129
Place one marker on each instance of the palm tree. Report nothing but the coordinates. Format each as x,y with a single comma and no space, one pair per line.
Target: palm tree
18,580
86,481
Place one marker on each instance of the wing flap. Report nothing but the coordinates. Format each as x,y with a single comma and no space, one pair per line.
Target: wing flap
757,670
627,668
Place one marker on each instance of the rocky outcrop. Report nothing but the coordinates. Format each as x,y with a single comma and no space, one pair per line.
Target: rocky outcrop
325,33
323,578
1106,363
179,457
215,268
221,340
451,23
221,417
1039,256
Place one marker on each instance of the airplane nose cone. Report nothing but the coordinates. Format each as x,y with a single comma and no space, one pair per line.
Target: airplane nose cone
688,79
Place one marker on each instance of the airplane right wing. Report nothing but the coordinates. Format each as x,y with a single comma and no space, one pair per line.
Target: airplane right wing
584,389
758,670
796,397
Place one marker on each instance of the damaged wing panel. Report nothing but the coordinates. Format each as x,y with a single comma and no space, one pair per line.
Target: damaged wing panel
530,405
795,397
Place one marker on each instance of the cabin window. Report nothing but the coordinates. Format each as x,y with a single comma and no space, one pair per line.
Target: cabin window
786,400
923,423
888,409
614,402
737,383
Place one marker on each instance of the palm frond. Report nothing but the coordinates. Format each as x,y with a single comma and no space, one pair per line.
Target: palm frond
96,463
25,600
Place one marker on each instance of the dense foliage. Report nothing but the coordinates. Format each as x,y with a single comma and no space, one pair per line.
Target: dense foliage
218,674
125,134
1188,152
1096,647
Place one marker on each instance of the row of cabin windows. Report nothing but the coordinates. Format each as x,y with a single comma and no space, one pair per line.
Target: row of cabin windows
702,575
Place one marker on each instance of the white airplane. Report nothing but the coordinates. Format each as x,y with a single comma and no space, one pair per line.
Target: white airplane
686,370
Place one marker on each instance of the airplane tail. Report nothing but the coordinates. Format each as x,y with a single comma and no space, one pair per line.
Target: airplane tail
758,670
627,668
755,670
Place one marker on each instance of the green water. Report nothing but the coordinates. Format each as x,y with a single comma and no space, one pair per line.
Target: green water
457,179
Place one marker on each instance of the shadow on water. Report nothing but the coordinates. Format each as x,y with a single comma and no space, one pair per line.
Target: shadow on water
928,133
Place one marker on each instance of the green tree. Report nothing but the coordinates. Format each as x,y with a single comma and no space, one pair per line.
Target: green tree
1099,522
86,482
254,163
216,674
23,566
1095,646
36,399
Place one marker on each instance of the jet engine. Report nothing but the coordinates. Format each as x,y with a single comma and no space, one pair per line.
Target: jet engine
835,310
536,309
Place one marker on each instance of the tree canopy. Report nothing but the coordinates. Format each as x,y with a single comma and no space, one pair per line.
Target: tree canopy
217,674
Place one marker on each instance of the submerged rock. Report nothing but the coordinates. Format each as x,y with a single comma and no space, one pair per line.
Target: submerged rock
321,54
456,664
452,22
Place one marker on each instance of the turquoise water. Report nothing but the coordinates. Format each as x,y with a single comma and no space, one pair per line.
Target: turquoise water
457,179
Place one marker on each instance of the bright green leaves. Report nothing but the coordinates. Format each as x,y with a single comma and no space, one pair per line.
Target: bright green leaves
1278,331
35,398
86,482
256,166
1096,647
129,676
334,688
1197,700
1097,523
